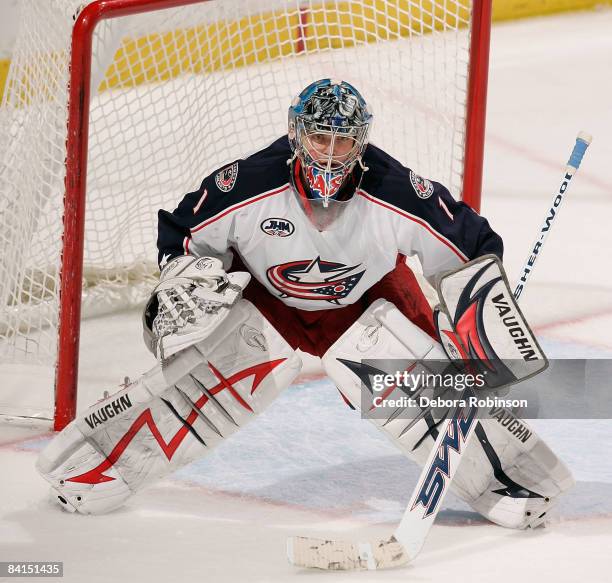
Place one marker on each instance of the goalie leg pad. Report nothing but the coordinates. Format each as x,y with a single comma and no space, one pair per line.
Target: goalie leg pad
381,332
171,416
508,474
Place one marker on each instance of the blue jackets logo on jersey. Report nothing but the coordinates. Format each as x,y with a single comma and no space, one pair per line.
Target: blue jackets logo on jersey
422,187
314,279
226,178
276,227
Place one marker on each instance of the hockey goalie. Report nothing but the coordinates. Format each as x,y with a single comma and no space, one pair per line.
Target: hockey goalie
302,245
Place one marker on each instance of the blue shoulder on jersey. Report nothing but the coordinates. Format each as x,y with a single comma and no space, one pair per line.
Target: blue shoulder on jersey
224,188
390,182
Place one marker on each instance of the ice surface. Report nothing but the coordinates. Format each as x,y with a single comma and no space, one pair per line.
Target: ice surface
309,465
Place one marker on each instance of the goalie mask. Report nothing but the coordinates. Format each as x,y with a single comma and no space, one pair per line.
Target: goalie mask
329,123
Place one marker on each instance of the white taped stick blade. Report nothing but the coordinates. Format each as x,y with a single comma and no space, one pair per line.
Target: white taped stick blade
337,555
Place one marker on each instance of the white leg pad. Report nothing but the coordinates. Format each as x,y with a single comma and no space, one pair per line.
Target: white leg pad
508,473
172,415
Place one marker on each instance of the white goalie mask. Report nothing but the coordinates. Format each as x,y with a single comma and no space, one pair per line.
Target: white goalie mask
329,123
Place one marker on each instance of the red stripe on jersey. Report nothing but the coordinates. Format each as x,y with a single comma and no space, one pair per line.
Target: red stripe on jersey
239,206
418,221
297,179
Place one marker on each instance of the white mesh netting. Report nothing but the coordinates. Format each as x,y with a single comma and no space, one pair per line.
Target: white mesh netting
177,93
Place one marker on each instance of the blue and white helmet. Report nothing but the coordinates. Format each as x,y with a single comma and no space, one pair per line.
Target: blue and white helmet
329,122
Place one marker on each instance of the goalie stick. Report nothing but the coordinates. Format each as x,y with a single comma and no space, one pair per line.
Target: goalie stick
441,465
582,143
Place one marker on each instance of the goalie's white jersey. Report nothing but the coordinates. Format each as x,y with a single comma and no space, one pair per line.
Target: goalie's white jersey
251,207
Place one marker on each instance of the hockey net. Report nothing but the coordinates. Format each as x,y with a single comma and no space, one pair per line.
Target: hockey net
176,93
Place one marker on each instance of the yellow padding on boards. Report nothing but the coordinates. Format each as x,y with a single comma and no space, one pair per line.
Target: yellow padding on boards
4,68
267,36
515,9
270,35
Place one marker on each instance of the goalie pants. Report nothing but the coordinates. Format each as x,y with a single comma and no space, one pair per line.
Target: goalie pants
315,331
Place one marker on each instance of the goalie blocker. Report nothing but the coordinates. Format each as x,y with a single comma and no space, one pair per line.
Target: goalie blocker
480,325
171,416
